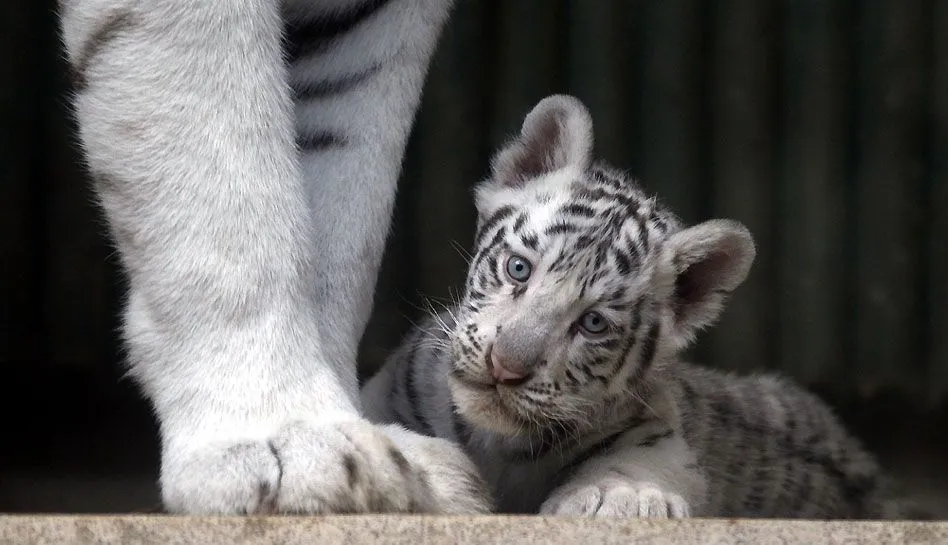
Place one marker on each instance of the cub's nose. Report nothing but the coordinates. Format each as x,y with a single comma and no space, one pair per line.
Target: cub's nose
504,370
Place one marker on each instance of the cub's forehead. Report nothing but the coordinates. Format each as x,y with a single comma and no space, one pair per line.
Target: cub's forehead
599,191
596,260
590,221
586,216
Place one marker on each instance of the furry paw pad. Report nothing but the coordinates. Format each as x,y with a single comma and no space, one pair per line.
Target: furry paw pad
616,500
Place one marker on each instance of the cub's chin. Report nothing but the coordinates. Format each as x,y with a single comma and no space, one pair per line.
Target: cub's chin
484,406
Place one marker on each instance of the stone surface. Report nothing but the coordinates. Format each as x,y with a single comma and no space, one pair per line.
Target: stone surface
418,530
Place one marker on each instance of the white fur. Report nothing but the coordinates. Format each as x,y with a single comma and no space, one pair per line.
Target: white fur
251,270
658,481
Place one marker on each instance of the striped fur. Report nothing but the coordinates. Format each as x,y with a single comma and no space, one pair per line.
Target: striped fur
245,154
611,423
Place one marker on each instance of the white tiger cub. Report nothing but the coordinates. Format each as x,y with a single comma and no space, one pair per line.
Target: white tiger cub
559,371
246,153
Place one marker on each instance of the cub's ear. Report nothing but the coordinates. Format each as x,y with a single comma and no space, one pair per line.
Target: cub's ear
557,133
708,261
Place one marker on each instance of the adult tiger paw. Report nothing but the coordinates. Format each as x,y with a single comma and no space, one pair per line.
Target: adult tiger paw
347,466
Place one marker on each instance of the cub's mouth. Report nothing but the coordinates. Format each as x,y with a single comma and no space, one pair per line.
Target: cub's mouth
488,404
472,384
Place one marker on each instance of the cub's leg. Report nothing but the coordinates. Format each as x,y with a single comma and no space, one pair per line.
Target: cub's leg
187,124
648,472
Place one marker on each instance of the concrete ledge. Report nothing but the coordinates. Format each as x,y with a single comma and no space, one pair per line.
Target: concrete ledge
418,530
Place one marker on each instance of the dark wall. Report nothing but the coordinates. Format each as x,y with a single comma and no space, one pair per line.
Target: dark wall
820,124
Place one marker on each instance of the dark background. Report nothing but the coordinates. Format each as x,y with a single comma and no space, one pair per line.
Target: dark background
820,124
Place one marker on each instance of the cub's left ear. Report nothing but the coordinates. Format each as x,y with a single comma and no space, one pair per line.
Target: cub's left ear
708,262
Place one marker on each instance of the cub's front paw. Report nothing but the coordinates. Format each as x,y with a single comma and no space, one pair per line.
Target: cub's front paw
348,466
616,499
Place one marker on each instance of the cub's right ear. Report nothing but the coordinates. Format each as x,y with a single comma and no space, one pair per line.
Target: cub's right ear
556,134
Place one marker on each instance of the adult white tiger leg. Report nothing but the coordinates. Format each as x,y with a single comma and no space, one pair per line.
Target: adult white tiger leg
357,72
186,121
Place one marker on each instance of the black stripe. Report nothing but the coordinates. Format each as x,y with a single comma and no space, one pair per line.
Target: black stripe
660,224
757,494
599,448
491,266
313,90
488,250
530,241
307,37
802,489
655,438
633,335
475,294
641,241
319,141
607,178
577,209
398,377
563,261
629,203
560,228
461,430
498,216
688,389
113,26
607,344
600,253
411,394
649,345
623,262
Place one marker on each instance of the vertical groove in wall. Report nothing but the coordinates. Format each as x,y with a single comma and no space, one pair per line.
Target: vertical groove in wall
604,76
811,190
530,66
670,107
888,211
937,235
742,144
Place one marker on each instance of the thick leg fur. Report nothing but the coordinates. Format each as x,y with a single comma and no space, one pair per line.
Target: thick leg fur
251,267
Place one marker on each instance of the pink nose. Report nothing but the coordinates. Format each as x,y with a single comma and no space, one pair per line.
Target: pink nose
503,372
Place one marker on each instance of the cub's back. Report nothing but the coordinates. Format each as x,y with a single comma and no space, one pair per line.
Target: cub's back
772,449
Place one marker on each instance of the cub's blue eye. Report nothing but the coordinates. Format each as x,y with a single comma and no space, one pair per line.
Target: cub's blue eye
593,322
518,268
